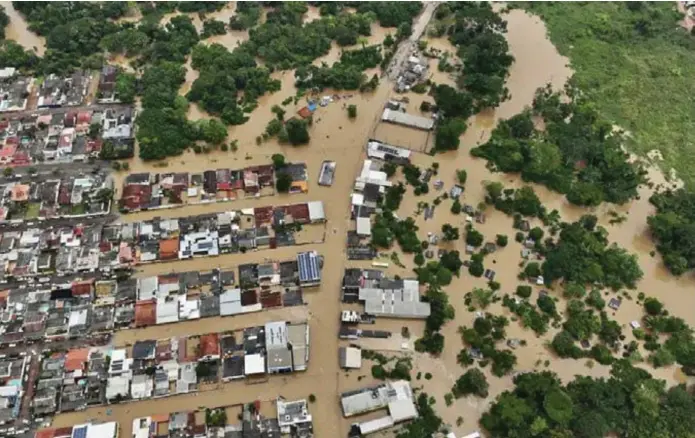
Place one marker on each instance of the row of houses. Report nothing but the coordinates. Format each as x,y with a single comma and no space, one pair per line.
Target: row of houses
95,247
90,309
13,371
370,186
51,91
55,91
108,429
67,197
67,135
89,376
146,191
293,418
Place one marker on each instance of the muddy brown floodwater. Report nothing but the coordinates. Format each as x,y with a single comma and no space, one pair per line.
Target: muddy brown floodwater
18,30
335,137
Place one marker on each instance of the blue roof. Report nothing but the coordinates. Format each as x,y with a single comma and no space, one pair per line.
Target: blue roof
80,432
308,266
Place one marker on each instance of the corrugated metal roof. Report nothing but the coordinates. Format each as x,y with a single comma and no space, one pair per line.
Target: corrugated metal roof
409,120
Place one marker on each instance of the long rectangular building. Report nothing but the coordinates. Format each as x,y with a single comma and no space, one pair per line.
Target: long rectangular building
409,120
393,298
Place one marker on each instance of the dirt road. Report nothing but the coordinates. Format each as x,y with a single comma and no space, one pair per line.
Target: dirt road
406,48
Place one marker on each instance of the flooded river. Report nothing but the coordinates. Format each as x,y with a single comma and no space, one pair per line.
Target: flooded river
18,30
335,137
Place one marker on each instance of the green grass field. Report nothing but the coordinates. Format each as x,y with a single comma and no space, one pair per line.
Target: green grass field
638,66
33,210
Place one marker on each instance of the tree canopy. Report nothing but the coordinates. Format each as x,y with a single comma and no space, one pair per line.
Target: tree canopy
583,255
577,153
673,227
628,403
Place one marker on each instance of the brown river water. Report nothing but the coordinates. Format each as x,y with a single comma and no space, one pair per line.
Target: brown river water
335,137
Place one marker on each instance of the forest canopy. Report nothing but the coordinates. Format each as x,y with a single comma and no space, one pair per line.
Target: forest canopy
673,227
577,154
628,403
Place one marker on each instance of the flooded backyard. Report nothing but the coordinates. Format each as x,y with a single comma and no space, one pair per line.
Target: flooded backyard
336,137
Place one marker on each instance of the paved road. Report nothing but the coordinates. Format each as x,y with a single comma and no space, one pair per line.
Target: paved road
64,109
59,222
48,170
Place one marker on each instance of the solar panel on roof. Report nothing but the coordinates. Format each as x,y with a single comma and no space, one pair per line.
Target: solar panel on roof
80,432
308,267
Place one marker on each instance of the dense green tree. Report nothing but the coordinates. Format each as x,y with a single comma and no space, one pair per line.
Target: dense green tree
584,257
363,58
283,182
162,126
453,103
461,176
474,237
126,87
223,75
473,382
297,132
211,131
450,232
524,291
546,304
279,161
602,354
448,133
213,27
672,226
391,13
451,260
532,270
626,404
564,345
578,153
246,16
503,362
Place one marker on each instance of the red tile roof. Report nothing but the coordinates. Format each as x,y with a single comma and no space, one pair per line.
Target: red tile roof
145,313
46,433
82,287
299,212
209,345
168,248
75,359
136,196
263,215
304,113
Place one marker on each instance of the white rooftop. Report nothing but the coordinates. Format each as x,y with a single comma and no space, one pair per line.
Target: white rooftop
377,397
409,120
402,302
350,357
254,364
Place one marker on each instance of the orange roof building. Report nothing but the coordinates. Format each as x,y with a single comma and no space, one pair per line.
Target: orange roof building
20,193
145,313
168,249
75,359
209,346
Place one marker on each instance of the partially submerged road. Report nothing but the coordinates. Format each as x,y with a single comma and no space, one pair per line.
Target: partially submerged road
323,376
407,47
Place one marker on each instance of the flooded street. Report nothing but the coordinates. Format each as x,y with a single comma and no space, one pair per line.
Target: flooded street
18,30
335,137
